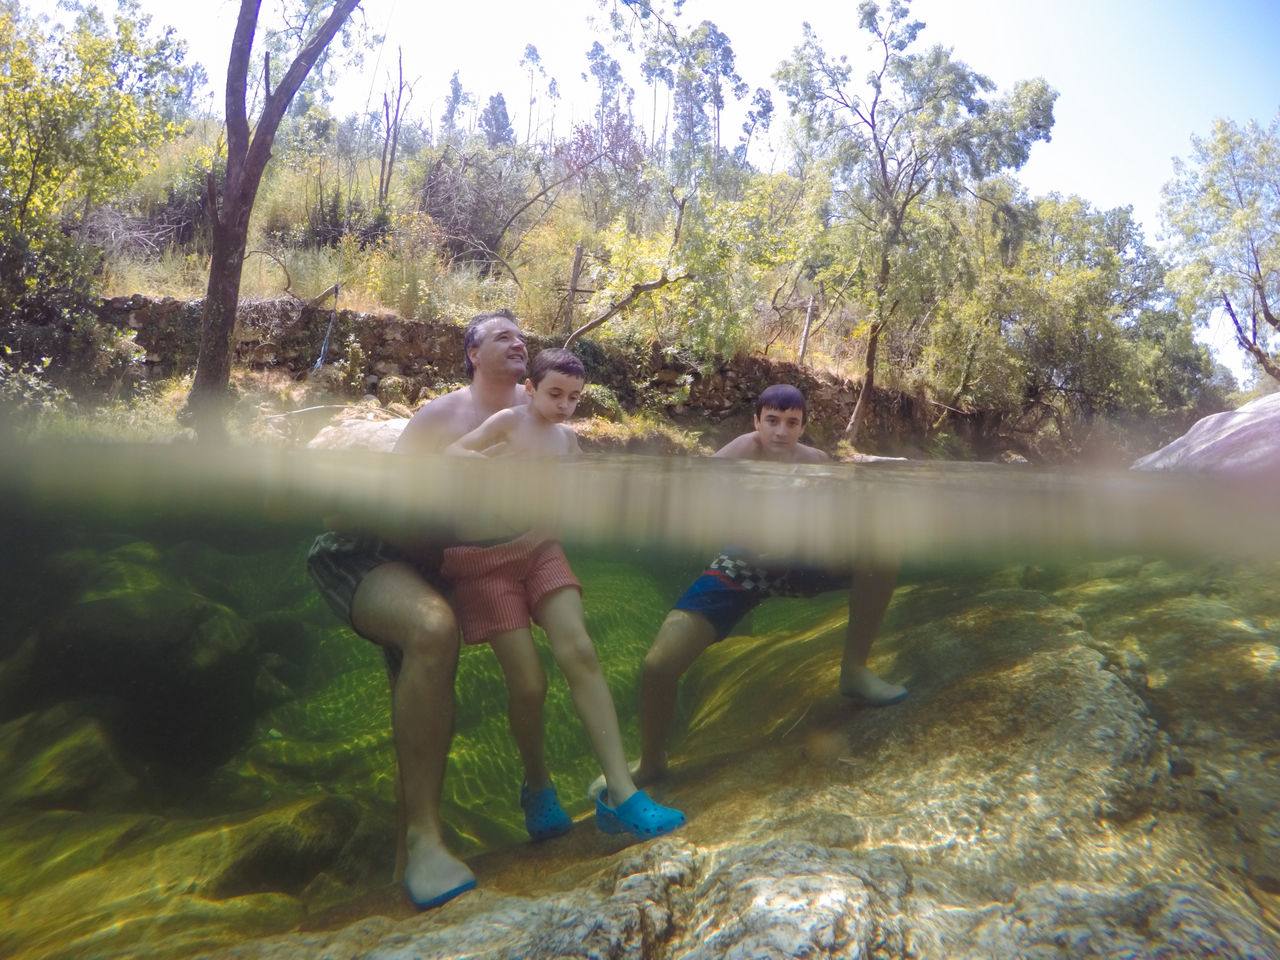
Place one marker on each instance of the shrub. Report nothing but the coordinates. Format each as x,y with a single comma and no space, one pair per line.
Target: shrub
48,313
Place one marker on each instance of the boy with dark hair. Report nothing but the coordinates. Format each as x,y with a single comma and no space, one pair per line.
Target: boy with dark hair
780,417
734,584
499,588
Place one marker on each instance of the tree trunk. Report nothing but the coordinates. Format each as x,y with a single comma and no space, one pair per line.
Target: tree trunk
804,335
210,399
571,297
248,151
854,426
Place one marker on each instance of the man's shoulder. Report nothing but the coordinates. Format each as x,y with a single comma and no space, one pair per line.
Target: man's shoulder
444,403
422,432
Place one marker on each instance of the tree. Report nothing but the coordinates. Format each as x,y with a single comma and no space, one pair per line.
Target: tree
1057,330
393,121
81,108
495,124
698,68
532,62
457,99
921,127
231,203
607,73
1224,208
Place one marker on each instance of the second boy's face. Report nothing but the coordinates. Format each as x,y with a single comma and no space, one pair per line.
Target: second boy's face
556,397
779,430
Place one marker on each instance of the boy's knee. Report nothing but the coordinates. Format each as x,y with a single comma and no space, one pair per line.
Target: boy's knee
577,656
527,689
659,664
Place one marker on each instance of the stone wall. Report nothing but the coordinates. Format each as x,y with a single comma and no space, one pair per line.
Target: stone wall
410,360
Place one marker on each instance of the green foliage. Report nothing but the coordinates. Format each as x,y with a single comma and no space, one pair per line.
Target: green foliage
1224,207
80,107
49,330
599,401
26,395
919,129
1059,325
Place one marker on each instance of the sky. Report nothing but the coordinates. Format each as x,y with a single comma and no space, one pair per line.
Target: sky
1135,78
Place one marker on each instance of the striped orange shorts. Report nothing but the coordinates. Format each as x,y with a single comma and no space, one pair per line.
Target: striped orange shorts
497,588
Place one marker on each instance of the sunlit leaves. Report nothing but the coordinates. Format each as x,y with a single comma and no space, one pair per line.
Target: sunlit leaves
81,106
1224,207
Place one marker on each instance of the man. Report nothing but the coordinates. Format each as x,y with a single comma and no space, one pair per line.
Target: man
389,592
733,585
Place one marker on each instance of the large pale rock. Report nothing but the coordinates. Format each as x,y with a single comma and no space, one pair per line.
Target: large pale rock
379,435
1246,440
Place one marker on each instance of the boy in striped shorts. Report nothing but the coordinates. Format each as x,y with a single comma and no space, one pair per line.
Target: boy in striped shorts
499,587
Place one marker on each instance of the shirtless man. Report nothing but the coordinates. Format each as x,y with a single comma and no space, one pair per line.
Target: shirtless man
390,593
733,585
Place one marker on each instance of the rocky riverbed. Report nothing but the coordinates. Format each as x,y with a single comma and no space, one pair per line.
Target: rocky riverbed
1086,766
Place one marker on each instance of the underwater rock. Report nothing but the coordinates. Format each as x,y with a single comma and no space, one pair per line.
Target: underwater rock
1085,766
283,851
61,759
1237,441
1182,920
168,665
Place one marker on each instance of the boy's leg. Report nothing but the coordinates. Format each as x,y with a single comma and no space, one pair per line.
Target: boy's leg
870,591
683,637
560,614
526,697
394,606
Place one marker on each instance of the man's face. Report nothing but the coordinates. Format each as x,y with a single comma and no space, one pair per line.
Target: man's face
501,349
779,430
556,397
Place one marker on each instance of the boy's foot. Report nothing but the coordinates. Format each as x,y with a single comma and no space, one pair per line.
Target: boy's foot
859,683
639,816
639,777
543,816
433,876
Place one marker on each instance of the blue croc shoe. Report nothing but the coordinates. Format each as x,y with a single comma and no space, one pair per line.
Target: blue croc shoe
543,816
440,899
639,816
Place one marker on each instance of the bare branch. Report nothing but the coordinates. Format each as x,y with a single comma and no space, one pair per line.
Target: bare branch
637,291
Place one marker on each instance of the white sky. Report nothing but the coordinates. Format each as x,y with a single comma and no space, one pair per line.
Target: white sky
1136,78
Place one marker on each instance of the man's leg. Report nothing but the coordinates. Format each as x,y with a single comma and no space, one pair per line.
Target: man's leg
394,606
870,591
680,641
